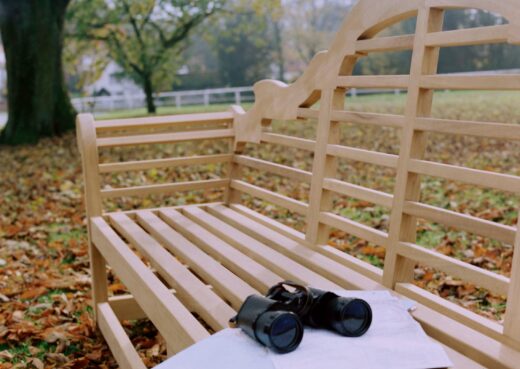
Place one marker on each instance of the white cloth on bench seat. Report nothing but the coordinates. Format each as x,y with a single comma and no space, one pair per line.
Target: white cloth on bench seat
395,340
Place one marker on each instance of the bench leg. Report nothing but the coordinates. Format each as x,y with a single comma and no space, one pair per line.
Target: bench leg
98,271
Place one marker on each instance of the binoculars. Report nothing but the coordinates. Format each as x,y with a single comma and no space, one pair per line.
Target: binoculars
276,320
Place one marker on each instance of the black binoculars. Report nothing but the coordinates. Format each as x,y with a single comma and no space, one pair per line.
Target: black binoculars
277,319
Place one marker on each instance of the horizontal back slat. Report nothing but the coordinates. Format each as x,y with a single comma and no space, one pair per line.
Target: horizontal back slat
358,192
296,206
464,222
163,188
165,138
164,163
471,36
452,310
397,81
281,170
470,82
373,119
354,228
468,128
160,122
380,44
365,156
480,277
504,182
298,143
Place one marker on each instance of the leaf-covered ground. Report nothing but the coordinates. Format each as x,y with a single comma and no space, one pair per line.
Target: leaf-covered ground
45,318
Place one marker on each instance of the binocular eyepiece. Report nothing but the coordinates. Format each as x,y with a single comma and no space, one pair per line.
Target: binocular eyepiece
276,319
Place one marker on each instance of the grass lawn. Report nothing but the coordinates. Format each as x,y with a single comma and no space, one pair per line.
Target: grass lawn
45,288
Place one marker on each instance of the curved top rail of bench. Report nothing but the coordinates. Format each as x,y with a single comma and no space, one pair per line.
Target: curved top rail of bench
277,100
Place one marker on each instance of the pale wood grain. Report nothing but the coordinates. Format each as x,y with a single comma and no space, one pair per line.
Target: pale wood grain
246,268
274,168
481,277
176,324
160,122
167,188
189,289
164,163
117,339
466,37
413,145
362,155
86,136
224,282
512,318
270,196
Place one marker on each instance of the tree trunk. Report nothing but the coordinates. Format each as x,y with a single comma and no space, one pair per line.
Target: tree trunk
148,90
38,103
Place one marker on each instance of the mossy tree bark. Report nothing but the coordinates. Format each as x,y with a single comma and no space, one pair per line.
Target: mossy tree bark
38,102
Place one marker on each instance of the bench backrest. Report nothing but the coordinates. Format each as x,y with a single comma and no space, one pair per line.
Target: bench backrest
318,98
319,95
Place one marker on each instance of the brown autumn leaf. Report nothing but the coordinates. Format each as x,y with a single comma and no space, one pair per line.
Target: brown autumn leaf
33,293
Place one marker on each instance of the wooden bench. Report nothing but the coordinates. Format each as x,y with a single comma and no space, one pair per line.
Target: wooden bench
189,268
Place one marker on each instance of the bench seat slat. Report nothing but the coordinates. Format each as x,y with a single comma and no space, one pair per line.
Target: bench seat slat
176,324
249,270
228,285
341,257
312,259
279,263
195,294
117,339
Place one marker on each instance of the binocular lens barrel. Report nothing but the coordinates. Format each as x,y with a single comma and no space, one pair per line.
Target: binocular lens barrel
349,317
280,330
354,317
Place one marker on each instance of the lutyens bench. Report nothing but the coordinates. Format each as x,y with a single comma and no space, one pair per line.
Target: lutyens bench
189,268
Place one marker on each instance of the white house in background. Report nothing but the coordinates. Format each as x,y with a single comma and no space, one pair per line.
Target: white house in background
109,84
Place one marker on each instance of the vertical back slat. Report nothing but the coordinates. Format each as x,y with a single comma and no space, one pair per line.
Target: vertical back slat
413,145
324,165
234,170
512,318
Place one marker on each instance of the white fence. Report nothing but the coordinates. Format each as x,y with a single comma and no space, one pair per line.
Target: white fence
236,95
232,95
